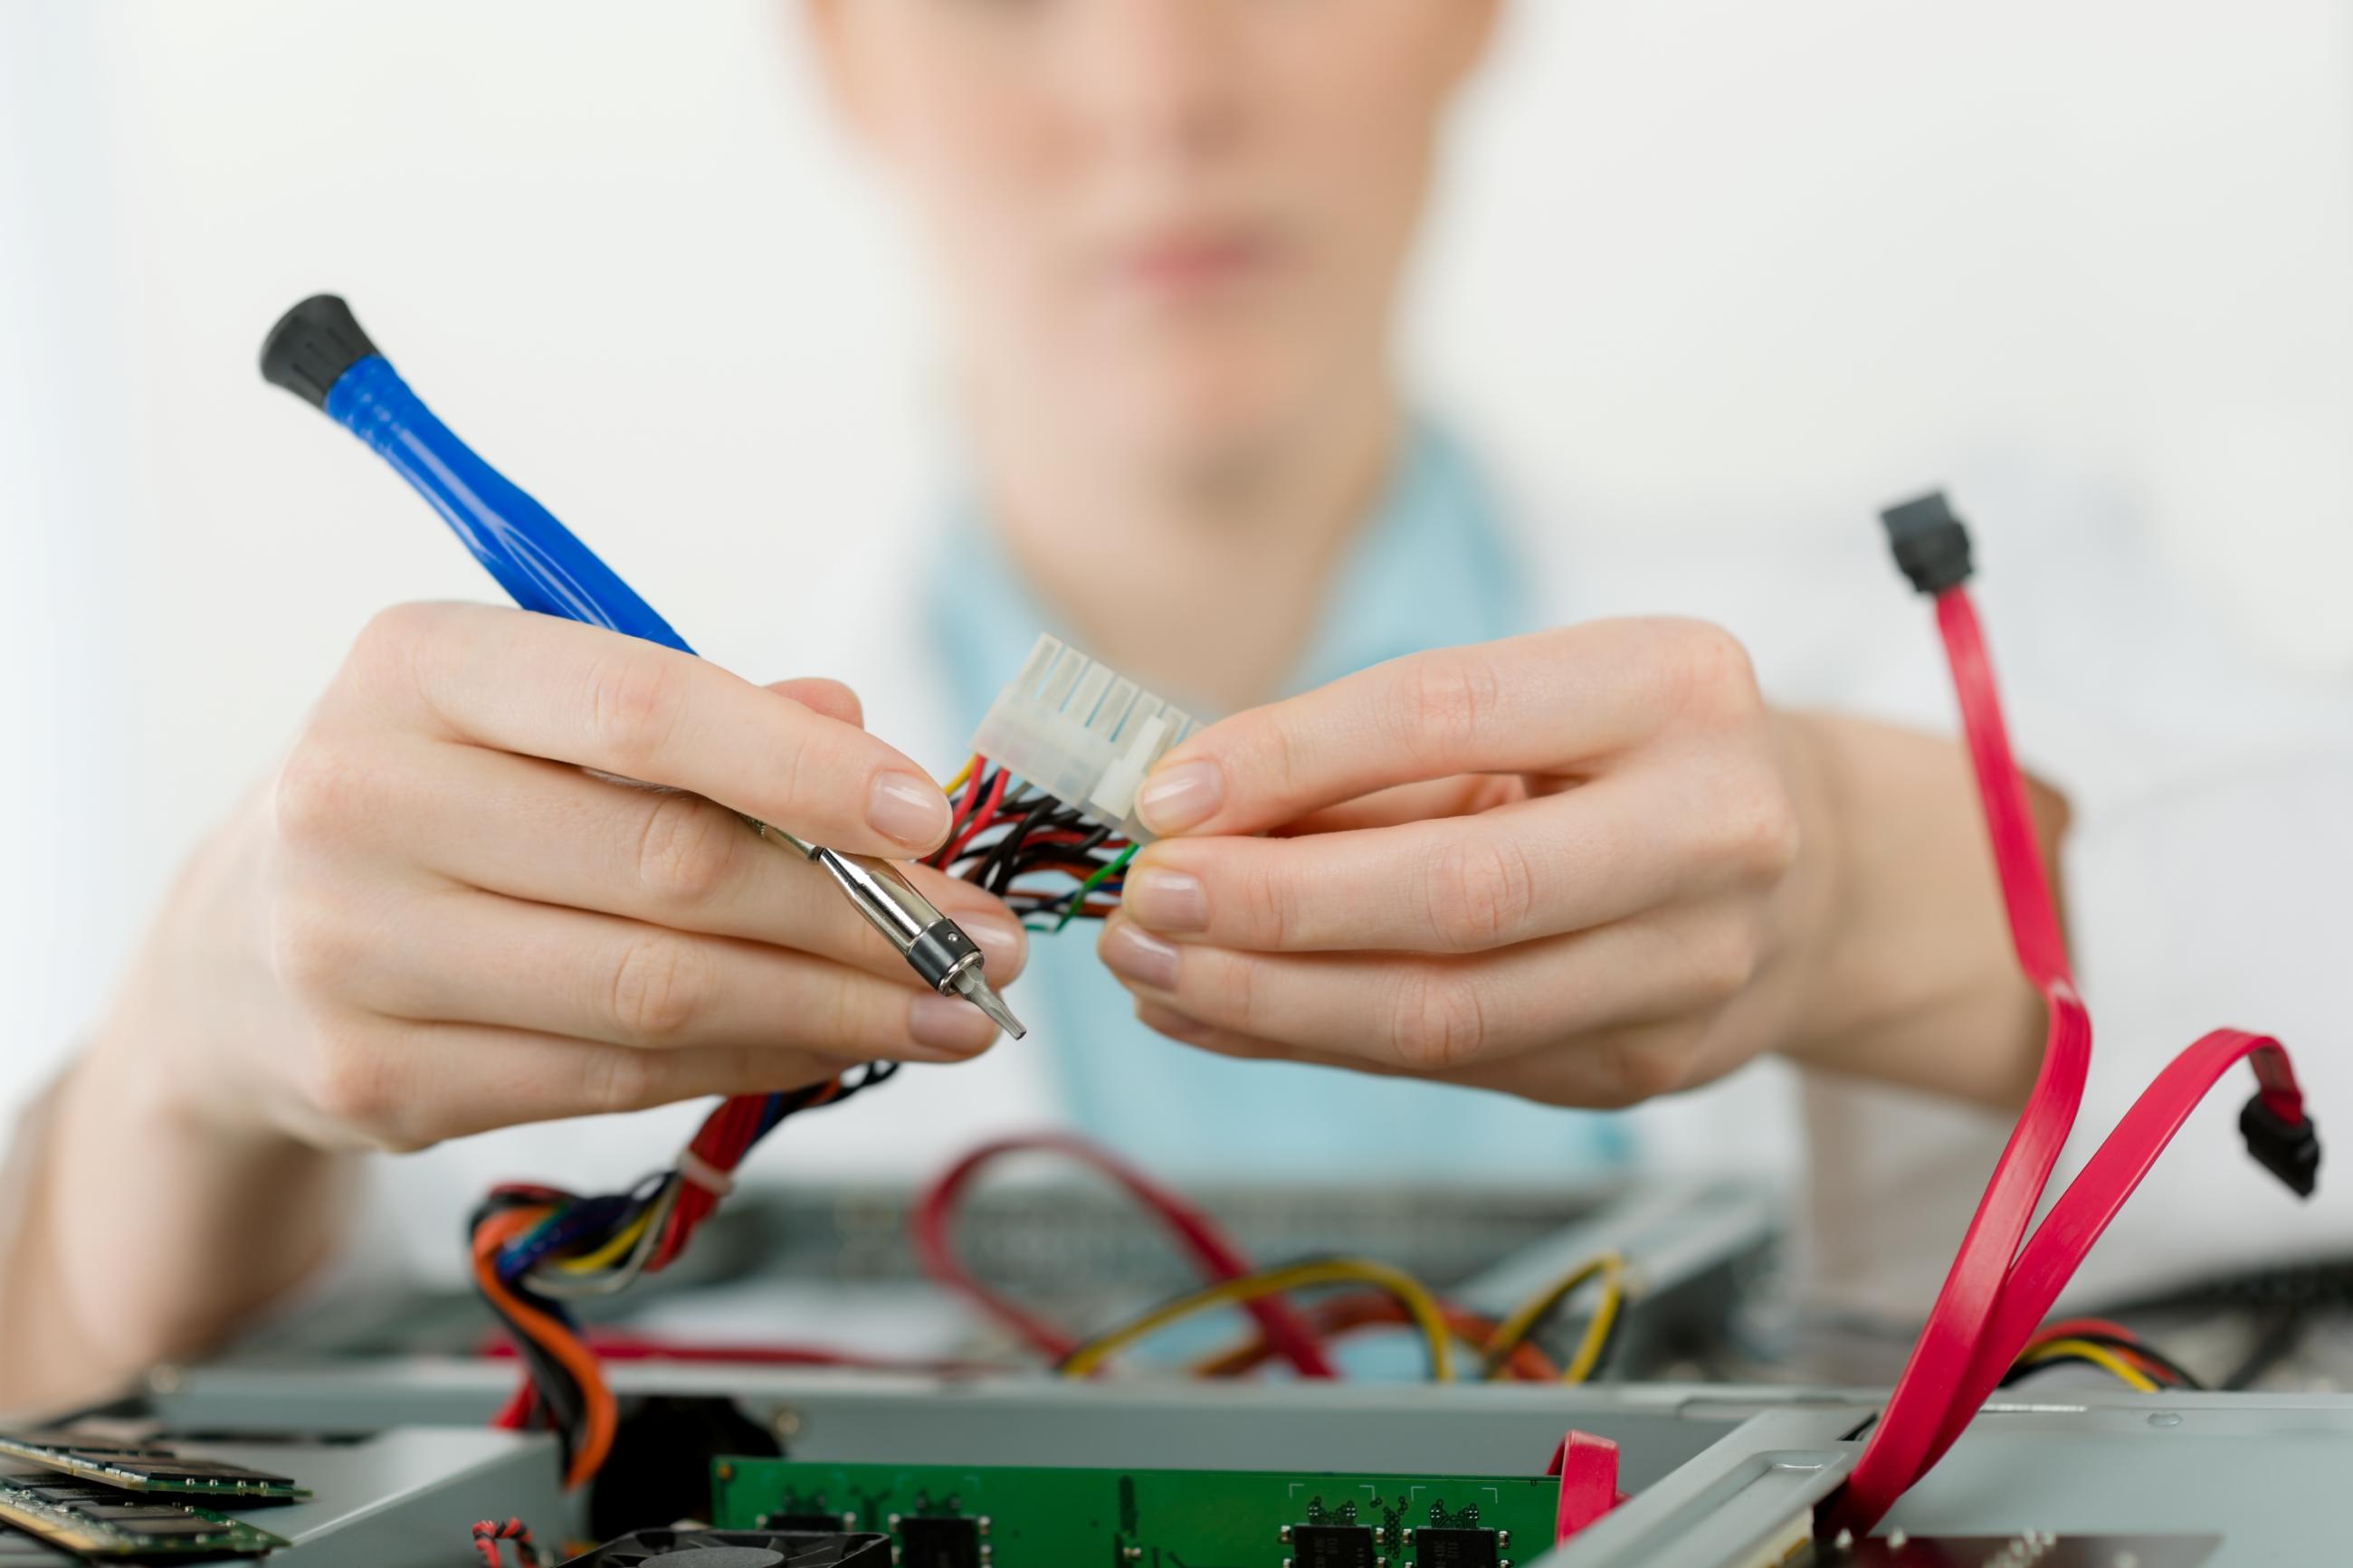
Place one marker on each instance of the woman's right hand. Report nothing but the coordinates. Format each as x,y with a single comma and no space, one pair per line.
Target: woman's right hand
433,920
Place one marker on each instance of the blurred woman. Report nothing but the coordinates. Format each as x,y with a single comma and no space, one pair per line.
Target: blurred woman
1447,844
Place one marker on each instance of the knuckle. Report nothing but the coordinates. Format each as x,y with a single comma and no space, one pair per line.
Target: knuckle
319,795
1760,834
351,1083
1728,958
619,1079
1230,982
392,634
1710,670
847,1013
1634,1069
310,949
1481,893
686,851
1437,1020
1442,704
388,654
1265,905
659,986
633,701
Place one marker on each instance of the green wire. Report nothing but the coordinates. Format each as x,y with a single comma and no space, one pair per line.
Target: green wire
1079,899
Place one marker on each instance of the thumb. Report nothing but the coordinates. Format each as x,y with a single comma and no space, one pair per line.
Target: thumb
830,698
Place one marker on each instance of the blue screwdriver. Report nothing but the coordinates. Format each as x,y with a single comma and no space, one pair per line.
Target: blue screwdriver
317,352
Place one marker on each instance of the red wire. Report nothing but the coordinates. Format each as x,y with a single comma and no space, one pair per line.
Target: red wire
932,1224
489,1532
1900,1441
978,825
1994,1295
515,1414
2076,1328
621,1344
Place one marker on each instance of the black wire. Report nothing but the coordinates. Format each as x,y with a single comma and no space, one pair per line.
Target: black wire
2274,1345
988,874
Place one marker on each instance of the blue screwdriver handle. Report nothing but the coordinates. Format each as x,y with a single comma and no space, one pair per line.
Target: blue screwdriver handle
538,560
319,352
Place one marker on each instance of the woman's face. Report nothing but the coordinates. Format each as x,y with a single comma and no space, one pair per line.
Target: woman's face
1168,227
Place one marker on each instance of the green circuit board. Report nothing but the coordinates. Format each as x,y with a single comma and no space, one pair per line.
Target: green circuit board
969,1516
145,1468
97,1520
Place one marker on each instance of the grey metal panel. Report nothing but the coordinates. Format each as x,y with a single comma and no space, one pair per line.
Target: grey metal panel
1503,1428
1715,1469
2271,1474
405,1498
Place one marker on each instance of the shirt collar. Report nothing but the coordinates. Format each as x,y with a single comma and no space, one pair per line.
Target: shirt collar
1432,567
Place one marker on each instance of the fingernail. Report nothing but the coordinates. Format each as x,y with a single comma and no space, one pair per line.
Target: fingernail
1138,955
1166,899
1000,941
909,809
1174,799
949,1025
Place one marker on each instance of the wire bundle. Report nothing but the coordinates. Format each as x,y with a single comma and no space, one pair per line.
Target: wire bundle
1037,853
1506,1350
933,1224
536,1248
1390,1296
2111,1347
489,1532
1998,1290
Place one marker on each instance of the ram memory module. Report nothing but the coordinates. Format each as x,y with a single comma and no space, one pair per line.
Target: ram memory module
142,1467
101,1522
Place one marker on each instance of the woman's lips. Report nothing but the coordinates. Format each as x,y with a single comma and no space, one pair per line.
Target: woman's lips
1190,264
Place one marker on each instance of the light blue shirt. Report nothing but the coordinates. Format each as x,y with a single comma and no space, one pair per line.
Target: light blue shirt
1431,569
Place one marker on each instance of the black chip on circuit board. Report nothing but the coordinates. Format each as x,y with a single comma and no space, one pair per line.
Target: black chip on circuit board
1332,1546
931,1543
1448,1547
809,1523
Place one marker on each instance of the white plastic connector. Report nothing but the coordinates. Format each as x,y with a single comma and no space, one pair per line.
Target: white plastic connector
1080,732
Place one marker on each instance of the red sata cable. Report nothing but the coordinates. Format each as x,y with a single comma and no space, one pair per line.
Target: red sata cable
1900,1441
2091,1201
1993,1295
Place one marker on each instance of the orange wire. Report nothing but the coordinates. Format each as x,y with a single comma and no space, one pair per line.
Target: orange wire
602,1415
2130,1347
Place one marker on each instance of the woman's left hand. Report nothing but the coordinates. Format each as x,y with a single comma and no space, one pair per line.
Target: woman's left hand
1588,865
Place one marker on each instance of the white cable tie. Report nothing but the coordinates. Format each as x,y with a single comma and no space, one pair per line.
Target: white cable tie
694,1168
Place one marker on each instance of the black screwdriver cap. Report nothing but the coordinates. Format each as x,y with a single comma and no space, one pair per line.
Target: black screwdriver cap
312,346
1930,544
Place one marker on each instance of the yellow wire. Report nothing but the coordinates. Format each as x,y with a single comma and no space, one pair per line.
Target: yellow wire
614,1249
956,782
2098,1355
1611,1269
1410,1293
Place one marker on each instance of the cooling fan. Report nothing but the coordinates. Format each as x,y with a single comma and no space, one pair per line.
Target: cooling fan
737,1549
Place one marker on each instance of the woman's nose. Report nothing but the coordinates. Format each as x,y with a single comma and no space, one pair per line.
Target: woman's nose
1163,77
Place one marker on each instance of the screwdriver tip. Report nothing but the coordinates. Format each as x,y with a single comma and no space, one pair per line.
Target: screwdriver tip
976,989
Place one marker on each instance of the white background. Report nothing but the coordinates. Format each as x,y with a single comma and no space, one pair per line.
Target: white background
1703,267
